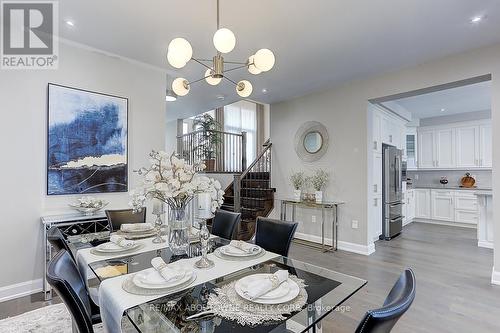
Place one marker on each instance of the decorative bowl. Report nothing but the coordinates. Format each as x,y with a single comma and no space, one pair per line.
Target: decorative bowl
88,210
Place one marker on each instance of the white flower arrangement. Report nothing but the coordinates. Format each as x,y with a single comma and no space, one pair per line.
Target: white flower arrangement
319,179
174,182
298,180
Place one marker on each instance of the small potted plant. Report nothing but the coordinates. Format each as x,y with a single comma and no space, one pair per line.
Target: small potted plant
208,140
318,182
297,179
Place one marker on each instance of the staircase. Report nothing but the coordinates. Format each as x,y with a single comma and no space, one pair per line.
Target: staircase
251,193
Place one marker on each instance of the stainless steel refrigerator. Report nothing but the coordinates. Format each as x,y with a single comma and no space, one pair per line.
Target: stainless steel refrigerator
392,192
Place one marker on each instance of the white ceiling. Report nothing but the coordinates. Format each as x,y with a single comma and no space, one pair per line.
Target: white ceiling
470,98
316,42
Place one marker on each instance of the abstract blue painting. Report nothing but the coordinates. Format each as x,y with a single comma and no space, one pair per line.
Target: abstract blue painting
87,142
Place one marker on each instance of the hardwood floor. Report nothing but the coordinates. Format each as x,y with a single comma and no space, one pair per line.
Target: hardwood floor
454,293
453,275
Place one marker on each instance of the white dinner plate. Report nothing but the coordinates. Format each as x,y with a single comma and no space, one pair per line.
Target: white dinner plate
235,252
151,279
110,247
286,292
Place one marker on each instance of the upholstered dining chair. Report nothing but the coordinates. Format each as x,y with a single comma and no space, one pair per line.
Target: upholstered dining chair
398,301
225,223
63,276
118,217
57,240
275,235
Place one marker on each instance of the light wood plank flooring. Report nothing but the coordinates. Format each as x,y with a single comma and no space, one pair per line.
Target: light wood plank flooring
453,275
454,293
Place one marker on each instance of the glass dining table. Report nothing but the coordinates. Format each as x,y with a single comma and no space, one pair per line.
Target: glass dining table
326,290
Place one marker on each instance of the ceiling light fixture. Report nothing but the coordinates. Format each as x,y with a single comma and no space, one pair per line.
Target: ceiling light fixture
170,95
443,110
70,23
476,19
180,52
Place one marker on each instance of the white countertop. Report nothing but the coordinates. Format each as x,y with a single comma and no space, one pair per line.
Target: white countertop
450,187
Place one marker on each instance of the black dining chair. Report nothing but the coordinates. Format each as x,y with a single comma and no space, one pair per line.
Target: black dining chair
275,235
398,301
63,276
225,224
118,217
58,241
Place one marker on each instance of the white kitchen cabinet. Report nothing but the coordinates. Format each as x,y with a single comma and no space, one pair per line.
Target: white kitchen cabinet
377,175
411,147
467,146
442,206
485,146
410,205
444,147
377,134
426,155
464,216
376,216
422,203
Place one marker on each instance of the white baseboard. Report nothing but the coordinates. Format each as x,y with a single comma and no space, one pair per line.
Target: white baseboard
450,224
485,244
495,277
344,246
20,289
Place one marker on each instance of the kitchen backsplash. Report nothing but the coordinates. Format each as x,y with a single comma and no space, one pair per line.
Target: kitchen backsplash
431,177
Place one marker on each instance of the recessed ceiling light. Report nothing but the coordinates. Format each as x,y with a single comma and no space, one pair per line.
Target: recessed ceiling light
264,91
220,97
70,23
476,19
443,110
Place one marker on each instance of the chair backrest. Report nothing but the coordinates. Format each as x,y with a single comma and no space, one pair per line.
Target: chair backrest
120,216
224,223
57,240
63,276
275,235
398,301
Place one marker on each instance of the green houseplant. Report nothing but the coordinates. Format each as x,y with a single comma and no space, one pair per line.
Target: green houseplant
207,140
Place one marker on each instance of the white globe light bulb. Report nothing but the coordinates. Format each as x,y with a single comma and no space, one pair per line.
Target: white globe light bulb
180,86
180,50
251,66
213,81
224,40
244,88
175,61
264,59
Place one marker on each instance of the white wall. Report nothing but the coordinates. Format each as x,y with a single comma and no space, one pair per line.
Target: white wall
23,132
343,110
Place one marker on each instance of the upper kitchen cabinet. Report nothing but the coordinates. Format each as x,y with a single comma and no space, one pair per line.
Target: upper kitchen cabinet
377,134
455,146
485,146
411,147
426,149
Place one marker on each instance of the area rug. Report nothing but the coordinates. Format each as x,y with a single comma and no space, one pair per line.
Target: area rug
49,319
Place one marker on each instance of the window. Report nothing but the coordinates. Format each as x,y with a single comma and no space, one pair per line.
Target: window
242,117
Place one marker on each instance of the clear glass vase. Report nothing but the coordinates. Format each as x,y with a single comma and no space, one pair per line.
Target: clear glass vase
178,233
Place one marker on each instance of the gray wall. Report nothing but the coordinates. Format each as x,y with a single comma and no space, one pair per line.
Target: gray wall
23,132
343,110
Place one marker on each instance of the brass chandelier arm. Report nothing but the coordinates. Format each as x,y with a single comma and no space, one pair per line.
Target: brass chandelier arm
195,81
201,63
233,82
235,68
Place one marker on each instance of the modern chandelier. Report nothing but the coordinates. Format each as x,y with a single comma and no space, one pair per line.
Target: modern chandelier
180,53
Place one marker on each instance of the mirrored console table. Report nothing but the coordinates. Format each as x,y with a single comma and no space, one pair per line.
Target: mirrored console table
324,207
71,225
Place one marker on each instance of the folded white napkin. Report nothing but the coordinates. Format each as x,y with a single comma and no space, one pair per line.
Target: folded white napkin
120,241
261,287
244,246
166,272
127,227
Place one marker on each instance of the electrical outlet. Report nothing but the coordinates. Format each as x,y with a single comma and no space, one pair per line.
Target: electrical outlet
354,224
313,219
